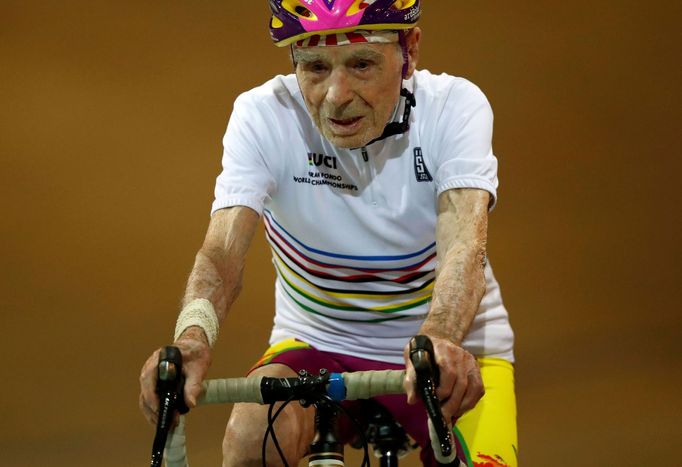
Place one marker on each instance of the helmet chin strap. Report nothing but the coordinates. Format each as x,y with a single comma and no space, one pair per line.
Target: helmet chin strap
397,128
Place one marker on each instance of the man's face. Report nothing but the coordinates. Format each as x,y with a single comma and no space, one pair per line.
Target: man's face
351,91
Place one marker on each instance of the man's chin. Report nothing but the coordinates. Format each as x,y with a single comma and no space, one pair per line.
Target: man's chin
346,142
356,140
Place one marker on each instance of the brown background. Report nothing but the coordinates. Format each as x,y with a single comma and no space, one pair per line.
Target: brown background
111,118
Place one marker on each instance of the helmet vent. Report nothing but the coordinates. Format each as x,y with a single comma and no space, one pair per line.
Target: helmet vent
303,11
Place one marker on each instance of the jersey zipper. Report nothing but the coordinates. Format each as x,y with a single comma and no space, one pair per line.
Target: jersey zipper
368,173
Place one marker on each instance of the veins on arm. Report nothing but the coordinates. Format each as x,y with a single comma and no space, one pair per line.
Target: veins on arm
461,236
219,263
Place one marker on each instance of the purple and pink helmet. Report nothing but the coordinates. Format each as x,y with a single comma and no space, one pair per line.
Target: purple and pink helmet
295,20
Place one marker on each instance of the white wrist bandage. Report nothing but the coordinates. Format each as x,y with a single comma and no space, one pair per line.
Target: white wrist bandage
198,312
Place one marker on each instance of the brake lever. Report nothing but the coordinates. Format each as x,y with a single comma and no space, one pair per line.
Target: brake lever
170,385
428,378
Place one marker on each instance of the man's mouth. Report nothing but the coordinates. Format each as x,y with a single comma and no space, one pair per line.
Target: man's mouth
345,121
344,125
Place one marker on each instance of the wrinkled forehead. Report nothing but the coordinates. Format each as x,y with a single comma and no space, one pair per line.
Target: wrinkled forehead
375,52
348,38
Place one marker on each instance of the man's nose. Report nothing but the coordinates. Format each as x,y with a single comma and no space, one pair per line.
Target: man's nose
340,89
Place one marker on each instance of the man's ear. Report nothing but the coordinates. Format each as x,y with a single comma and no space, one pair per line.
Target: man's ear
292,57
412,38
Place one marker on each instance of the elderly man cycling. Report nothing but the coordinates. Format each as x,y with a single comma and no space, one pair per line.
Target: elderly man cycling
374,181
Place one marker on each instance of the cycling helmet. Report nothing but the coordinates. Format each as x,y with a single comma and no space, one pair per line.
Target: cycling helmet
295,20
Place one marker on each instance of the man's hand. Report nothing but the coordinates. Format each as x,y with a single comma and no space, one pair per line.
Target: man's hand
460,386
196,358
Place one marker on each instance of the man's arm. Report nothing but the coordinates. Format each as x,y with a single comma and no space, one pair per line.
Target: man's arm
217,272
461,235
216,277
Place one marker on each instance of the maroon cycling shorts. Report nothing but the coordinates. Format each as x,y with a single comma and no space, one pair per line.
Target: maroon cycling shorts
301,356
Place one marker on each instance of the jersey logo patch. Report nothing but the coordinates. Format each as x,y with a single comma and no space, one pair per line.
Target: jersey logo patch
320,159
420,170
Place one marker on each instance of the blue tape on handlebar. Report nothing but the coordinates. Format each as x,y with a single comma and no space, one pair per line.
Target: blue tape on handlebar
336,388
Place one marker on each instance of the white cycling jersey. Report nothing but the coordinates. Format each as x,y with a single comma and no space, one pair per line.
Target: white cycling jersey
352,231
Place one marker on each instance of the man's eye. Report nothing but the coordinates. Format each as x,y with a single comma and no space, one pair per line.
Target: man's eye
363,65
317,67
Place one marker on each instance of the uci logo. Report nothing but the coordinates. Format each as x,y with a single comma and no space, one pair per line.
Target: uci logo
320,159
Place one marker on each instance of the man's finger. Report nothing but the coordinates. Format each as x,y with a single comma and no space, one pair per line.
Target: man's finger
410,385
448,380
449,362
193,389
149,414
149,400
451,405
148,383
475,391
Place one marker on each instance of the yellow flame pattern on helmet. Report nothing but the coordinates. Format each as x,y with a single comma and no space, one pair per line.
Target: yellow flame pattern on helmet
403,4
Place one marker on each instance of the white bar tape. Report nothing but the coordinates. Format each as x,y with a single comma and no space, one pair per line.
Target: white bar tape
199,312
175,453
222,391
366,384
435,445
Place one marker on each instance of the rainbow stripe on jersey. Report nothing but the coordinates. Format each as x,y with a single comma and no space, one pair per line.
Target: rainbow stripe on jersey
368,289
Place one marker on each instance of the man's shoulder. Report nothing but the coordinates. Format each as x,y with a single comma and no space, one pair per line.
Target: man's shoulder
282,88
444,85
443,97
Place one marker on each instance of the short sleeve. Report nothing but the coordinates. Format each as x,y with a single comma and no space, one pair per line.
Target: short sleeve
465,156
247,176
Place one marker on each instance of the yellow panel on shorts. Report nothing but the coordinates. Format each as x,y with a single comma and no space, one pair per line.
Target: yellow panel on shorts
488,431
278,348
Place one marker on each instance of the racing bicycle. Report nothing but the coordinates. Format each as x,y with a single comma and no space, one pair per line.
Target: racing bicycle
324,391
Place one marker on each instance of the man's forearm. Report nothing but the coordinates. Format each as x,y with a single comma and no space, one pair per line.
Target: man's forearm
461,235
219,264
207,282
459,288
218,283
